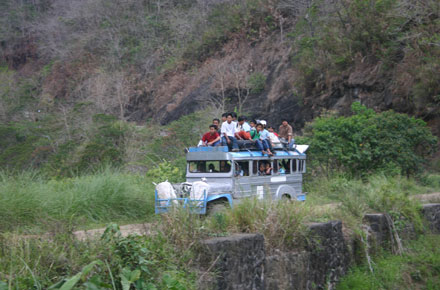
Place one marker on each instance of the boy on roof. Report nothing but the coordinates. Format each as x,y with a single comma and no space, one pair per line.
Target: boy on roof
228,131
261,144
243,129
224,116
217,123
264,136
211,138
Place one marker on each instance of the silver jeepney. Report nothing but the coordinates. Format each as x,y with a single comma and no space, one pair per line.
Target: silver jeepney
235,175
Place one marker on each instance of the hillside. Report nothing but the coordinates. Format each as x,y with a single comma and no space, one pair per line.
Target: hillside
71,68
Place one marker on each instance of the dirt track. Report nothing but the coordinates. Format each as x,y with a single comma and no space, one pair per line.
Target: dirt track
138,229
147,228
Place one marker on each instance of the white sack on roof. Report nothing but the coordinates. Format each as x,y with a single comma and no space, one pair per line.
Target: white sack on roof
165,191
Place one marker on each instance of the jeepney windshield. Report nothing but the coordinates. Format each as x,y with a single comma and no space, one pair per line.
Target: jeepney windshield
215,166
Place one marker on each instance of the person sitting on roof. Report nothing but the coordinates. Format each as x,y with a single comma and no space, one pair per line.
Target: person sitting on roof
228,130
217,123
273,138
264,136
243,129
211,138
224,117
261,145
253,125
286,134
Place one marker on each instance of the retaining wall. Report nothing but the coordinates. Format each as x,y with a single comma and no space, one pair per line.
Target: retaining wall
240,261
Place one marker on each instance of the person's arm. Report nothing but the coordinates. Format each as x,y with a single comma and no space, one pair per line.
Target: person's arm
204,141
289,133
227,138
215,140
223,130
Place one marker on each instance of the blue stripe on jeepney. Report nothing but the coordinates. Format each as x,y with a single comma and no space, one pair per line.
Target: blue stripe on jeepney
301,197
218,196
259,154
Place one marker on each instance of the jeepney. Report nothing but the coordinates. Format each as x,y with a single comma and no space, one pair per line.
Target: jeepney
232,176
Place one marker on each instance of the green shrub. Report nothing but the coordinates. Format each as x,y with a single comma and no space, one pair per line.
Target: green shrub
257,82
166,171
369,142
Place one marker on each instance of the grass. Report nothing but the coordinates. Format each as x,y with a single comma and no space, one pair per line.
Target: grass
30,202
418,268
146,262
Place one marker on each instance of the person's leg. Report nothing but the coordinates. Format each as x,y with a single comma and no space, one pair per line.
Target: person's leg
234,143
291,143
224,141
259,145
268,144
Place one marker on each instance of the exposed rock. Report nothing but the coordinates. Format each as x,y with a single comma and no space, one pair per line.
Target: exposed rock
287,270
379,228
329,255
238,261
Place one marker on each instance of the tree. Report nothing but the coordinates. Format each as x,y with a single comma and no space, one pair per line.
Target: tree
367,142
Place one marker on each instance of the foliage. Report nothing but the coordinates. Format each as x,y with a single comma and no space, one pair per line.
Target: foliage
419,267
257,82
398,38
375,193
28,200
166,171
369,142
112,262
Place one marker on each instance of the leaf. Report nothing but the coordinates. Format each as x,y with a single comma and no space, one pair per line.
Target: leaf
71,282
135,275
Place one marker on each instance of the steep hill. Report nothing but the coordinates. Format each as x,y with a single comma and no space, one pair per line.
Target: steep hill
63,62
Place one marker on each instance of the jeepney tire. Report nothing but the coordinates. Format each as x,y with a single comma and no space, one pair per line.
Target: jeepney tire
217,206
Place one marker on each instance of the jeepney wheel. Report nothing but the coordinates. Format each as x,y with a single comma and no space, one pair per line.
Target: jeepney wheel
217,206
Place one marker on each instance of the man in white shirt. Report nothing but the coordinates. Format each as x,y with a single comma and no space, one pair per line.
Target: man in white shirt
228,131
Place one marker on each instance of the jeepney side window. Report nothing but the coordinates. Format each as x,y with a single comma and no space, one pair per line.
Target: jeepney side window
284,166
275,167
225,166
294,165
209,166
300,165
242,168
255,167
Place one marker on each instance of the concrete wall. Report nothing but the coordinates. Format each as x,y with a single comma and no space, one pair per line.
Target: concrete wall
240,261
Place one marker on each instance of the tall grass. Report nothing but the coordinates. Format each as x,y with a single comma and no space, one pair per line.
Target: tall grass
29,200
378,193
418,268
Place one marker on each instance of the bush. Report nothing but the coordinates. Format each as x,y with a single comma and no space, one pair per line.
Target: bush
369,142
257,82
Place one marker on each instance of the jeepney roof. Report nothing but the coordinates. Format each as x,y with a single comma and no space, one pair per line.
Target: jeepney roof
221,153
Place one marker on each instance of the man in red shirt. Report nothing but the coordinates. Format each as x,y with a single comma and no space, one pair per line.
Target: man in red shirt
211,138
